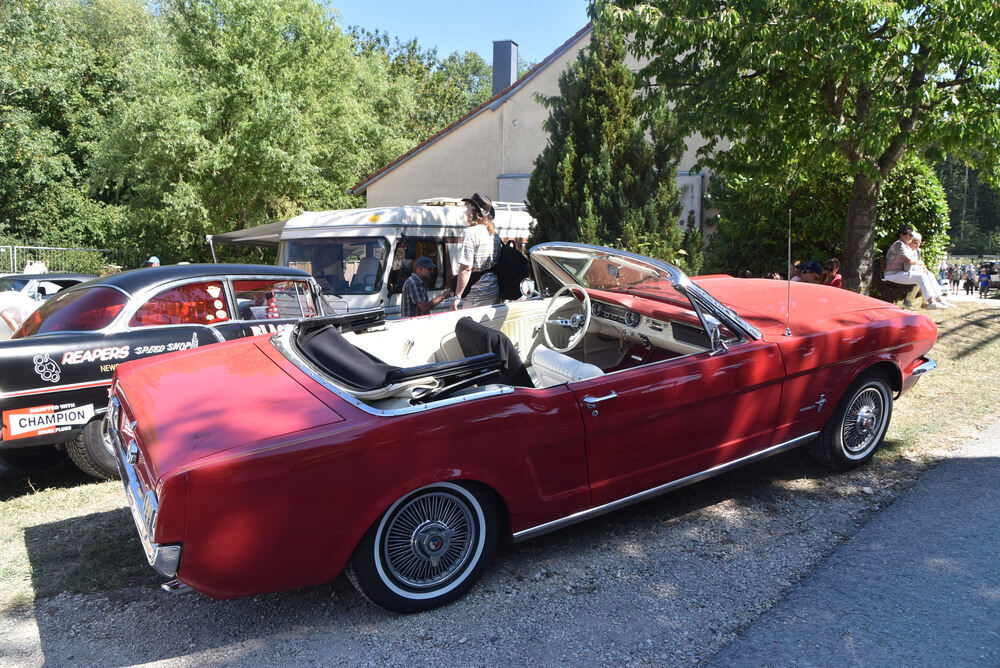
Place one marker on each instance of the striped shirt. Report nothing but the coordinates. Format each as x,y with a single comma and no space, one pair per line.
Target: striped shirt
480,251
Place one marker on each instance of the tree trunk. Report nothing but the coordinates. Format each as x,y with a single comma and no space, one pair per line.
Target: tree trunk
859,234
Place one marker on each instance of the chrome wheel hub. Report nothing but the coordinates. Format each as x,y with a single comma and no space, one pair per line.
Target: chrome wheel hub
432,541
865,421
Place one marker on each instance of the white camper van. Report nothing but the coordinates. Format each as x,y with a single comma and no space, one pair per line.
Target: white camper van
362,256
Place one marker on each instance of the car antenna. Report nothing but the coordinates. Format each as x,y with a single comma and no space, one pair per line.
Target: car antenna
788,298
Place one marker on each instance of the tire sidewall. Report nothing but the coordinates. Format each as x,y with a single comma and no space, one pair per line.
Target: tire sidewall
370,573
90,453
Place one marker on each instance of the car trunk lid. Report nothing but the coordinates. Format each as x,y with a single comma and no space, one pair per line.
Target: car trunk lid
211,400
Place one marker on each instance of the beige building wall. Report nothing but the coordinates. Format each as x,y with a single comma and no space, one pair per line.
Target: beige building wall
493,150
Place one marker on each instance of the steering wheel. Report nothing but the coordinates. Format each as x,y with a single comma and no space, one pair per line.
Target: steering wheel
578,323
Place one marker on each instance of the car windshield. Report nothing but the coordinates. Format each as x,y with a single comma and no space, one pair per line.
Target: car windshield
603,269
77,310
12,284
341,266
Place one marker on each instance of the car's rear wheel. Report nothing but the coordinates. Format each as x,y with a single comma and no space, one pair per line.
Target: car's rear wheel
427,549
91,450
34,458
857,427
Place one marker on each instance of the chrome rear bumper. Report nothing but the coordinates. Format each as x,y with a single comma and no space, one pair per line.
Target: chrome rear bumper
927,366
164,559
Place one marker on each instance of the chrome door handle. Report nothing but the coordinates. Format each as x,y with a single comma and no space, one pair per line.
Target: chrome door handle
591,402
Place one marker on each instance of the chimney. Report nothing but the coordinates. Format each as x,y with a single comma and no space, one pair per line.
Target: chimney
504,64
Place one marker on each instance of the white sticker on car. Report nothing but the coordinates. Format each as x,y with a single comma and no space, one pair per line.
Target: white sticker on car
105,354
47,369
40,420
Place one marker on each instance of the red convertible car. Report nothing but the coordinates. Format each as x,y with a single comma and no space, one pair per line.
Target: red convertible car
403,452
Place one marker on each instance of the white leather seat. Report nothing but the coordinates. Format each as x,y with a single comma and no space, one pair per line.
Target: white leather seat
552,368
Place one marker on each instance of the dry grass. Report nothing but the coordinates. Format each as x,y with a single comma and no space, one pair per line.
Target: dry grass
61,531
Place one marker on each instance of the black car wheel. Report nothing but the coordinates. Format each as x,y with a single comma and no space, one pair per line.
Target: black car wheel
857,427
91,451
427,549
35,458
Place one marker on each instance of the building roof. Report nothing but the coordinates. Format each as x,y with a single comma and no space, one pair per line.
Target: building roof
489,105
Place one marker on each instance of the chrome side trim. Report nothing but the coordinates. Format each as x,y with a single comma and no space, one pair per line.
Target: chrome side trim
656,491
165,559
926,367
283,343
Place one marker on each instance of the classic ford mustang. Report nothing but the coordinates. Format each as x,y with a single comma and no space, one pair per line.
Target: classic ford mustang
404,452
56,370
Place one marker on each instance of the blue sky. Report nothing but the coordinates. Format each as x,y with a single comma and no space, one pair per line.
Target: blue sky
538,26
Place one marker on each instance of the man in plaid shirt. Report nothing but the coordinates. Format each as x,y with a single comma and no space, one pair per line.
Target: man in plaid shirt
415,298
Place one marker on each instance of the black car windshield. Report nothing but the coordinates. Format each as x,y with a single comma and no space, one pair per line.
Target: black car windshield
88,309
351,266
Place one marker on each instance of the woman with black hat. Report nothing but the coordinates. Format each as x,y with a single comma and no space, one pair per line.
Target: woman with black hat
477,256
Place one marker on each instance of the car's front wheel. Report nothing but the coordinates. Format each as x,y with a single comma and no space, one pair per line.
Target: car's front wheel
857,427
91,450
427,549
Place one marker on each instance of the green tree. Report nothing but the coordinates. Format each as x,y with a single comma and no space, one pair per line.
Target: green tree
438,91
247,113
973,204
62,77
790,82
600,180
757,209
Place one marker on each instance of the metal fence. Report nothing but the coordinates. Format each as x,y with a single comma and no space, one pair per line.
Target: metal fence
14,259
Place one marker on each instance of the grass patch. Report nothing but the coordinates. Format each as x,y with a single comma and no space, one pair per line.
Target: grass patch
61,531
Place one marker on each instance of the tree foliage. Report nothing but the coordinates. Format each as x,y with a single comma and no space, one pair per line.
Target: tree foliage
789,83
61,79
143,126
757,209
440,90
600,180
244,114
974,208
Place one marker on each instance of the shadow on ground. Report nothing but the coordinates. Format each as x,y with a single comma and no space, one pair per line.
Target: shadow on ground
654,570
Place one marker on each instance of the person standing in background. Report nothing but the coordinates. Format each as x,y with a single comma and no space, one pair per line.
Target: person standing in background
478,256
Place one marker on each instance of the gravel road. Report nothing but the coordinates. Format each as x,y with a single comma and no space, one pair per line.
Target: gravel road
668,583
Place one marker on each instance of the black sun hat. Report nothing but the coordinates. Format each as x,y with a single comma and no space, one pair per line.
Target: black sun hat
481,203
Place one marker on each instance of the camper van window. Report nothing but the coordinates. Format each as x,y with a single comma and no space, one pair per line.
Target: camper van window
341,266
407,250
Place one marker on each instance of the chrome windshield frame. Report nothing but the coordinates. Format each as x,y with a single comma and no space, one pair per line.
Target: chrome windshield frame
701,301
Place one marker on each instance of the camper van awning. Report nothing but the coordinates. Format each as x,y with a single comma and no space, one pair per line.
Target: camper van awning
262,235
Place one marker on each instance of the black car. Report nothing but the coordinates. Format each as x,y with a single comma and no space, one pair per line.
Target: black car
56,369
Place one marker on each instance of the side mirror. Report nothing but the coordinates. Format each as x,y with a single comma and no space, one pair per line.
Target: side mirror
528,288
716,339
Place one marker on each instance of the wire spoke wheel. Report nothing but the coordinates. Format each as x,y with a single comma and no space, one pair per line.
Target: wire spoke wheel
428,548
863,422
428,540
858,424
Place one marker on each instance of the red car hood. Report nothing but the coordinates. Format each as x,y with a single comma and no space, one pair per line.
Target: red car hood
209,400
814,308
